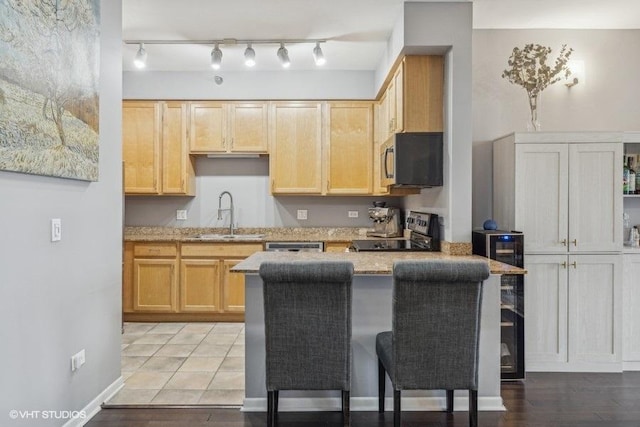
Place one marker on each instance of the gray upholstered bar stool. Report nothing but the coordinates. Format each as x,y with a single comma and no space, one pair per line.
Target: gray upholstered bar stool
433,344
307,318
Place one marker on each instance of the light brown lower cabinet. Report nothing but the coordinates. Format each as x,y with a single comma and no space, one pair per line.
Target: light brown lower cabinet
184,281
336,246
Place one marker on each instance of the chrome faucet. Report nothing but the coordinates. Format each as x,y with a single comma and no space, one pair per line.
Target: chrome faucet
230,209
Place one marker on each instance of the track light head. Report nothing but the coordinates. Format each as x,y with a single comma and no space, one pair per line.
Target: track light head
318,56
140,60
249,56
283,56
216,58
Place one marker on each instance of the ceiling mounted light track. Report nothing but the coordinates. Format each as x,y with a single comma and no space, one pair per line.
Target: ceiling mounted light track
249,53
140,60
283,56
249,56
216,58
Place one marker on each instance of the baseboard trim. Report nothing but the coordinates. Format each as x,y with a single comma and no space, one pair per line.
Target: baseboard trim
574,367
309,404
93,407
631,366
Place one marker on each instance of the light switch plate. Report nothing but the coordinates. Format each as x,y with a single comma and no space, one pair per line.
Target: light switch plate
56,229
353,214
302,214
181,214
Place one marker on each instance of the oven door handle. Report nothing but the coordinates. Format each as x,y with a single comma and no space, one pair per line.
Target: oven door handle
386,169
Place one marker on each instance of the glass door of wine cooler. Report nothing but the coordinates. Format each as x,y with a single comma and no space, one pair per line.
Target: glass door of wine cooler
512,327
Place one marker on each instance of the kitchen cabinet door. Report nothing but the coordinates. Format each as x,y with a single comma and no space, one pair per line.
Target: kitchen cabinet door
421,98
541,196
396,100
296,148
248,127
178,173
233,287
200,285
349,147
141,146
336,246
208,129
595,204
545,300
155,285
595,327
631,309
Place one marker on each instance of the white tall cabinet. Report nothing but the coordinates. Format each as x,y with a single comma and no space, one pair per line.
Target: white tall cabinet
563,190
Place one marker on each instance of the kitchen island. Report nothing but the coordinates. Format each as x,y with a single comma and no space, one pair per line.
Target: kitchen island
371,314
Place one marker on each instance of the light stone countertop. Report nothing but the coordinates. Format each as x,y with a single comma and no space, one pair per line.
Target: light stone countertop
275,234
365,262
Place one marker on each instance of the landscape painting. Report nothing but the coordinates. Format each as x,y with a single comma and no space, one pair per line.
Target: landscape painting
49,70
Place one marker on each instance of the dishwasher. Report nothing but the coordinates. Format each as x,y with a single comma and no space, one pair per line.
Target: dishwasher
294,246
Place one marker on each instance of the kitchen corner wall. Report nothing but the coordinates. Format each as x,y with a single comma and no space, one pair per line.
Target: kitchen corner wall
59,298
607,99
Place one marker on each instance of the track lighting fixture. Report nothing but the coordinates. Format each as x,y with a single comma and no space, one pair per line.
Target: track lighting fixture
216,57
318,56
249,52
141,57
249,56
283,56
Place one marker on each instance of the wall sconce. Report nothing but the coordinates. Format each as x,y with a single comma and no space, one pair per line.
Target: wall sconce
577,72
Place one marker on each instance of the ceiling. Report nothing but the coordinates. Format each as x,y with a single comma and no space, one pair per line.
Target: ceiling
356,30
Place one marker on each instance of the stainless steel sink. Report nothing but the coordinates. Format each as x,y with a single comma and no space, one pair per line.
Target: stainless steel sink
228,236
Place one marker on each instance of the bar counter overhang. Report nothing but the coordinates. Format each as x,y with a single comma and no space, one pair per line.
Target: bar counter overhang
371,314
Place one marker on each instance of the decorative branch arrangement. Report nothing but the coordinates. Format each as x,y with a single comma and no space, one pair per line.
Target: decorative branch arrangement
529,69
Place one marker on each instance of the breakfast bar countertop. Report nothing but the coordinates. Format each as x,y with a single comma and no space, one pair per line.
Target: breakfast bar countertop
365,262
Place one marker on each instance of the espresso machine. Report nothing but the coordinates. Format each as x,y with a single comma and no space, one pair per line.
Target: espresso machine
386,221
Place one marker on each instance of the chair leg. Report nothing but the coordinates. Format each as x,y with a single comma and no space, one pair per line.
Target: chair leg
346,412
396,408
381,385
473,408
270,408
276,397
449,401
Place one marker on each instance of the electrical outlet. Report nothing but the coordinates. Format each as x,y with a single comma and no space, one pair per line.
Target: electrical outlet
302,214
56,229
181,214
353,214
77,360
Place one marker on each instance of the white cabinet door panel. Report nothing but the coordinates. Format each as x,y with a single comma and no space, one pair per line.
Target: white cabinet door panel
595,308
541,199
545,302
595,204
631,308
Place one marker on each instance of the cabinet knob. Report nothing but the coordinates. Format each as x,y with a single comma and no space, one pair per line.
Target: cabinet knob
574,264
575,242
564,264
564,242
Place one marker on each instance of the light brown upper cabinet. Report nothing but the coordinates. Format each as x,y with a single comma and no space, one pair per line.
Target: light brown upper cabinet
155,148
412,100
224,127
296,148
348,147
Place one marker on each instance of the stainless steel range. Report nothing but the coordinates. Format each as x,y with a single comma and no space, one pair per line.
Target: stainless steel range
424,236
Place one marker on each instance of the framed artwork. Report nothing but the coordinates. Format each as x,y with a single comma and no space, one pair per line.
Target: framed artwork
49,74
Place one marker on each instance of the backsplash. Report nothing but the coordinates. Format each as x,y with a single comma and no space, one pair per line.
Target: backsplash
248,181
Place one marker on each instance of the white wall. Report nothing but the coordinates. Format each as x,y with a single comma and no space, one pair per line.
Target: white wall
59,298
608,99
248,182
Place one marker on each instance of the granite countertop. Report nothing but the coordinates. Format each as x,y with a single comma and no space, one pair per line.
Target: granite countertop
366,262
279,234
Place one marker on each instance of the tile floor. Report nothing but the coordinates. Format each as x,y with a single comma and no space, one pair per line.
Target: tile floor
182,364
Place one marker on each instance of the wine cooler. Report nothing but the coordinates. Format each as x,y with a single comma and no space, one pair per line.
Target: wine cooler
507,247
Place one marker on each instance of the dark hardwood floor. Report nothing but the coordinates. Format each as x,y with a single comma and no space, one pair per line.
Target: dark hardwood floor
543,400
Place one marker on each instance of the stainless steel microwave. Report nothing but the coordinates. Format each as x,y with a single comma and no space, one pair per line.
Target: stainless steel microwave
412,159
